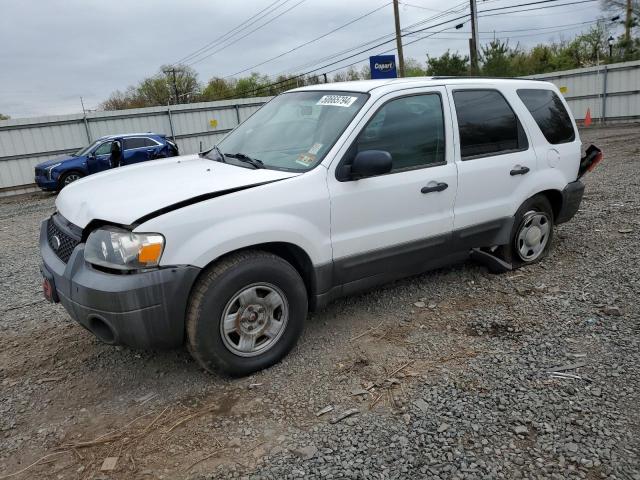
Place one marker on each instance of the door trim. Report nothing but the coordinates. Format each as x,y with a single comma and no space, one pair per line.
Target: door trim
355,273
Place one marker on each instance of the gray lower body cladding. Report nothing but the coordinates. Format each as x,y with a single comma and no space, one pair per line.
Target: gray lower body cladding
571,199
143,310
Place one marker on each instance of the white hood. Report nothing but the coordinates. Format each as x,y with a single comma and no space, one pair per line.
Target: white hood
125,194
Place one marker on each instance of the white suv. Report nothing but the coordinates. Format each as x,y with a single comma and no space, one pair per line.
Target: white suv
325,191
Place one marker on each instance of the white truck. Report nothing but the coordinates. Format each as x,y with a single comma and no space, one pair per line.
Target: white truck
326,190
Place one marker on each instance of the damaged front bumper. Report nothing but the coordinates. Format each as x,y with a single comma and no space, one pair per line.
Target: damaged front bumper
143,310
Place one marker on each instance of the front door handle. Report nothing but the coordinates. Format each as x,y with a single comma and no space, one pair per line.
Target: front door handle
438,187
519,171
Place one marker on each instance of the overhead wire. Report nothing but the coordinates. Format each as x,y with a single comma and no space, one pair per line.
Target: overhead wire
230,33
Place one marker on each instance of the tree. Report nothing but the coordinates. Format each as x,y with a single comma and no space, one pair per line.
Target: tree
174,84
218,88
412,68
448,64
4,117
496,59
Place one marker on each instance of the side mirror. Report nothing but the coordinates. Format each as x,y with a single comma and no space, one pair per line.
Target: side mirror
371,163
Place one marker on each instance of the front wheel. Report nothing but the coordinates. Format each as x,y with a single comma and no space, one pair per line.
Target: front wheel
532,233
68,178
246,312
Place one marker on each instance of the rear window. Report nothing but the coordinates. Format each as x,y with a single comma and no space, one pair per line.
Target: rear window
550,115
487,124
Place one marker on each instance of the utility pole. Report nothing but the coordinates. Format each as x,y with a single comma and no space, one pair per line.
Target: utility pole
474,47
396,14
175,83
627,25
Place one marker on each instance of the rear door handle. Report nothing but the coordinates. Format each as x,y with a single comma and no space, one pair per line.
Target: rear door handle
438,187
519,171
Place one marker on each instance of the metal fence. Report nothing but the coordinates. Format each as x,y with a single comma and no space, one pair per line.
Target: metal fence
610,92
26,142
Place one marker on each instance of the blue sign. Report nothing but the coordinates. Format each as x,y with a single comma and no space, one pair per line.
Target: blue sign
383,66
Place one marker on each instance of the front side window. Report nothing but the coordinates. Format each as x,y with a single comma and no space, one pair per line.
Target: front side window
410,128
104,149
150,143
294,131
87,149
550,115
487,124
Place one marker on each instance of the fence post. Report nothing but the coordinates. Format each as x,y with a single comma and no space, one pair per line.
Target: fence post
237,107
604,95
173,134
86,127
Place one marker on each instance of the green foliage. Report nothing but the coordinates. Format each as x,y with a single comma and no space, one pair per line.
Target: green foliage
497,59
4,117
447,64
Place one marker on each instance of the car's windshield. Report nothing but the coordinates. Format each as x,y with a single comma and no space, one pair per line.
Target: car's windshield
294,131
87,149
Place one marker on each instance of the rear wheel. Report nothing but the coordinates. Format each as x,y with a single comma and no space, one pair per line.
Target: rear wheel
68,178
245,313
532,233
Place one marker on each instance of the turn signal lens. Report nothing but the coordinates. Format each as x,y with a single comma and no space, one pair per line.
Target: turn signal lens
150,253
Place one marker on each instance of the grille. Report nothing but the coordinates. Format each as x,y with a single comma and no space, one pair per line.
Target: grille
65,243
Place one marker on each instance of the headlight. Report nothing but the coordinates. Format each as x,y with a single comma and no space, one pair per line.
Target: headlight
51,167
121,249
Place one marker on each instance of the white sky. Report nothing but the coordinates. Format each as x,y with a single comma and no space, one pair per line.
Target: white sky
54,51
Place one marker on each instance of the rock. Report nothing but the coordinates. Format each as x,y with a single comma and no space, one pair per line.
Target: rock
420,304
521,430
572,447
443,427
422,405
612,311
306,453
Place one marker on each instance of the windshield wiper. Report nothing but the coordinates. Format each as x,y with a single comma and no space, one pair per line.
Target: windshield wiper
247,159
215,148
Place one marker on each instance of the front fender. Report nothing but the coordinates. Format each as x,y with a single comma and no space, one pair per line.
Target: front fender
233,234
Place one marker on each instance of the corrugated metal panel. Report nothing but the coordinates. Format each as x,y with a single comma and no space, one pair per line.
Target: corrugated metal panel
27,142
585,89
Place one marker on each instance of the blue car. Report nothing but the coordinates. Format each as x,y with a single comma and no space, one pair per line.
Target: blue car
105,153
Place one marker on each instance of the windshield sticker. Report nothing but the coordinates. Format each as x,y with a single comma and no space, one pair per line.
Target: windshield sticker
306,159
315,148
337,100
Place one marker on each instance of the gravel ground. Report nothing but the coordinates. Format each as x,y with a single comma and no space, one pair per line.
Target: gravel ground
449,372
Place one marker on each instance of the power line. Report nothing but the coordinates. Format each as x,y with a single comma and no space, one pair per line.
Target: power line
247,34
275,84
534,3
342,52
231,32
371,12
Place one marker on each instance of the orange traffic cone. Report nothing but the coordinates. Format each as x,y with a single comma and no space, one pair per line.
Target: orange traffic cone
587,118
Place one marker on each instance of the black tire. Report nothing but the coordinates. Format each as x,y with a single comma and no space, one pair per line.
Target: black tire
212,295
63,181
535,207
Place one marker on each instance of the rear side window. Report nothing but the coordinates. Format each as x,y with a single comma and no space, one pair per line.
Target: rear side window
550,115
410,128
130,143
487,124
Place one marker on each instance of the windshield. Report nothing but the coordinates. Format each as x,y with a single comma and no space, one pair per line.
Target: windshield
294,131
87,149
